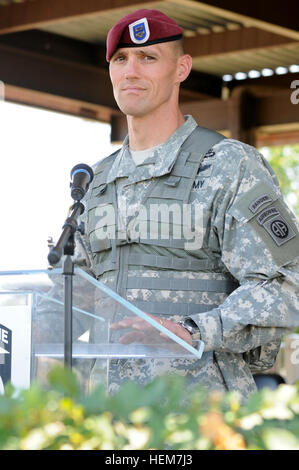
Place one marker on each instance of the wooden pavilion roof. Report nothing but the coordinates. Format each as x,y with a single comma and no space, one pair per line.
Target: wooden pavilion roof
52,54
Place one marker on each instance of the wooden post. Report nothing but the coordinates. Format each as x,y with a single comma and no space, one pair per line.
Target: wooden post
241,116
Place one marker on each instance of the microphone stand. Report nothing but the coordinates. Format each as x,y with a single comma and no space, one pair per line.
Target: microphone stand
66,245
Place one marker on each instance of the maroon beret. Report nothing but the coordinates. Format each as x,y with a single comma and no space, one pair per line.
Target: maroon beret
142,28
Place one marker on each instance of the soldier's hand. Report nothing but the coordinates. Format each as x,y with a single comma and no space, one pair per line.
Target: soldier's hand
143,331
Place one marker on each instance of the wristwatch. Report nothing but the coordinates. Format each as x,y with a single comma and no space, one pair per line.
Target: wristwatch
191,327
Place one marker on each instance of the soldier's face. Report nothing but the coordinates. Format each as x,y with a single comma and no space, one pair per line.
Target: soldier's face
146,78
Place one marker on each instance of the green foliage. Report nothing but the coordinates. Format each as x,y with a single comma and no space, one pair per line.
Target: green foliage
285,162
156,416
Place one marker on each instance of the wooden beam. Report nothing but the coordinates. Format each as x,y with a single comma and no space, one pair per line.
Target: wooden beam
57,46
29,15
276,13
69,79
58,103
34,14
241,40
277,138
271,110
276,17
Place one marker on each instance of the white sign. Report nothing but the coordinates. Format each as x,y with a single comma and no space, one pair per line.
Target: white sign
15,345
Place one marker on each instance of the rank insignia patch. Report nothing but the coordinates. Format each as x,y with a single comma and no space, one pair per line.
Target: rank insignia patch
139,31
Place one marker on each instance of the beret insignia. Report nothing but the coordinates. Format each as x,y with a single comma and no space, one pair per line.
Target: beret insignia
139,31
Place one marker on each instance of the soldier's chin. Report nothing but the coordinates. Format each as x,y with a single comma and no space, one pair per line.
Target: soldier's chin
131,110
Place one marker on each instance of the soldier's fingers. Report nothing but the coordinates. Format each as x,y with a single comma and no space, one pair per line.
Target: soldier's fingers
139,323
131,337
136,323
178,331
124,323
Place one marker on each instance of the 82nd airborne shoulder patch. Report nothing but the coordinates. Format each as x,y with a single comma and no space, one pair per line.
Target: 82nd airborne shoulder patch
275,224
271,221
279,229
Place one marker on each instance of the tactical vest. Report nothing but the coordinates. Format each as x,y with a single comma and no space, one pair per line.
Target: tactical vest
118,255
201,278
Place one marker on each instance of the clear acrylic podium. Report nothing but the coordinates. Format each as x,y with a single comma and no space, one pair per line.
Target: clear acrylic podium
32,330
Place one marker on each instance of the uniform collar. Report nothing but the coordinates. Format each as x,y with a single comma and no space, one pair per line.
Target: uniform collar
161,163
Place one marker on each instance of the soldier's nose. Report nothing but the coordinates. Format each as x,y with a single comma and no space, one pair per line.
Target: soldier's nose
131,70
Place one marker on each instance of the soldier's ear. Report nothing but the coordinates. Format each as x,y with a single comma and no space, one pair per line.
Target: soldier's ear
184,67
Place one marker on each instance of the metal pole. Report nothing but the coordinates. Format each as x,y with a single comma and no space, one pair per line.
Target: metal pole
68,271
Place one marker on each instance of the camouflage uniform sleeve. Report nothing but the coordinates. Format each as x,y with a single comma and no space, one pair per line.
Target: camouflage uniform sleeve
259,244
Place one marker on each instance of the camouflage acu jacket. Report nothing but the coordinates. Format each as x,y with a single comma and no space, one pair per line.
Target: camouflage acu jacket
237,278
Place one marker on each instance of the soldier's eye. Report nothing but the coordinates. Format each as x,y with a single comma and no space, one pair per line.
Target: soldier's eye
119,58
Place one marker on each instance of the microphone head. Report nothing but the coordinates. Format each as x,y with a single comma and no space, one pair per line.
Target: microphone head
82,167
81,176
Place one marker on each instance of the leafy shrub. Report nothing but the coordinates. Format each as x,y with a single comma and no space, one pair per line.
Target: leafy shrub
155,416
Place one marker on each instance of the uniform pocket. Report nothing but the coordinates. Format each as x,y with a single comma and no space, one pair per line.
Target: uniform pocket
263,357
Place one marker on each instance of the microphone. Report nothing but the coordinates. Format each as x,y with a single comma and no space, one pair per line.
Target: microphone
81,176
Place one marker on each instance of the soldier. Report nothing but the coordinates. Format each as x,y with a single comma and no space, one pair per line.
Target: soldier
236,286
